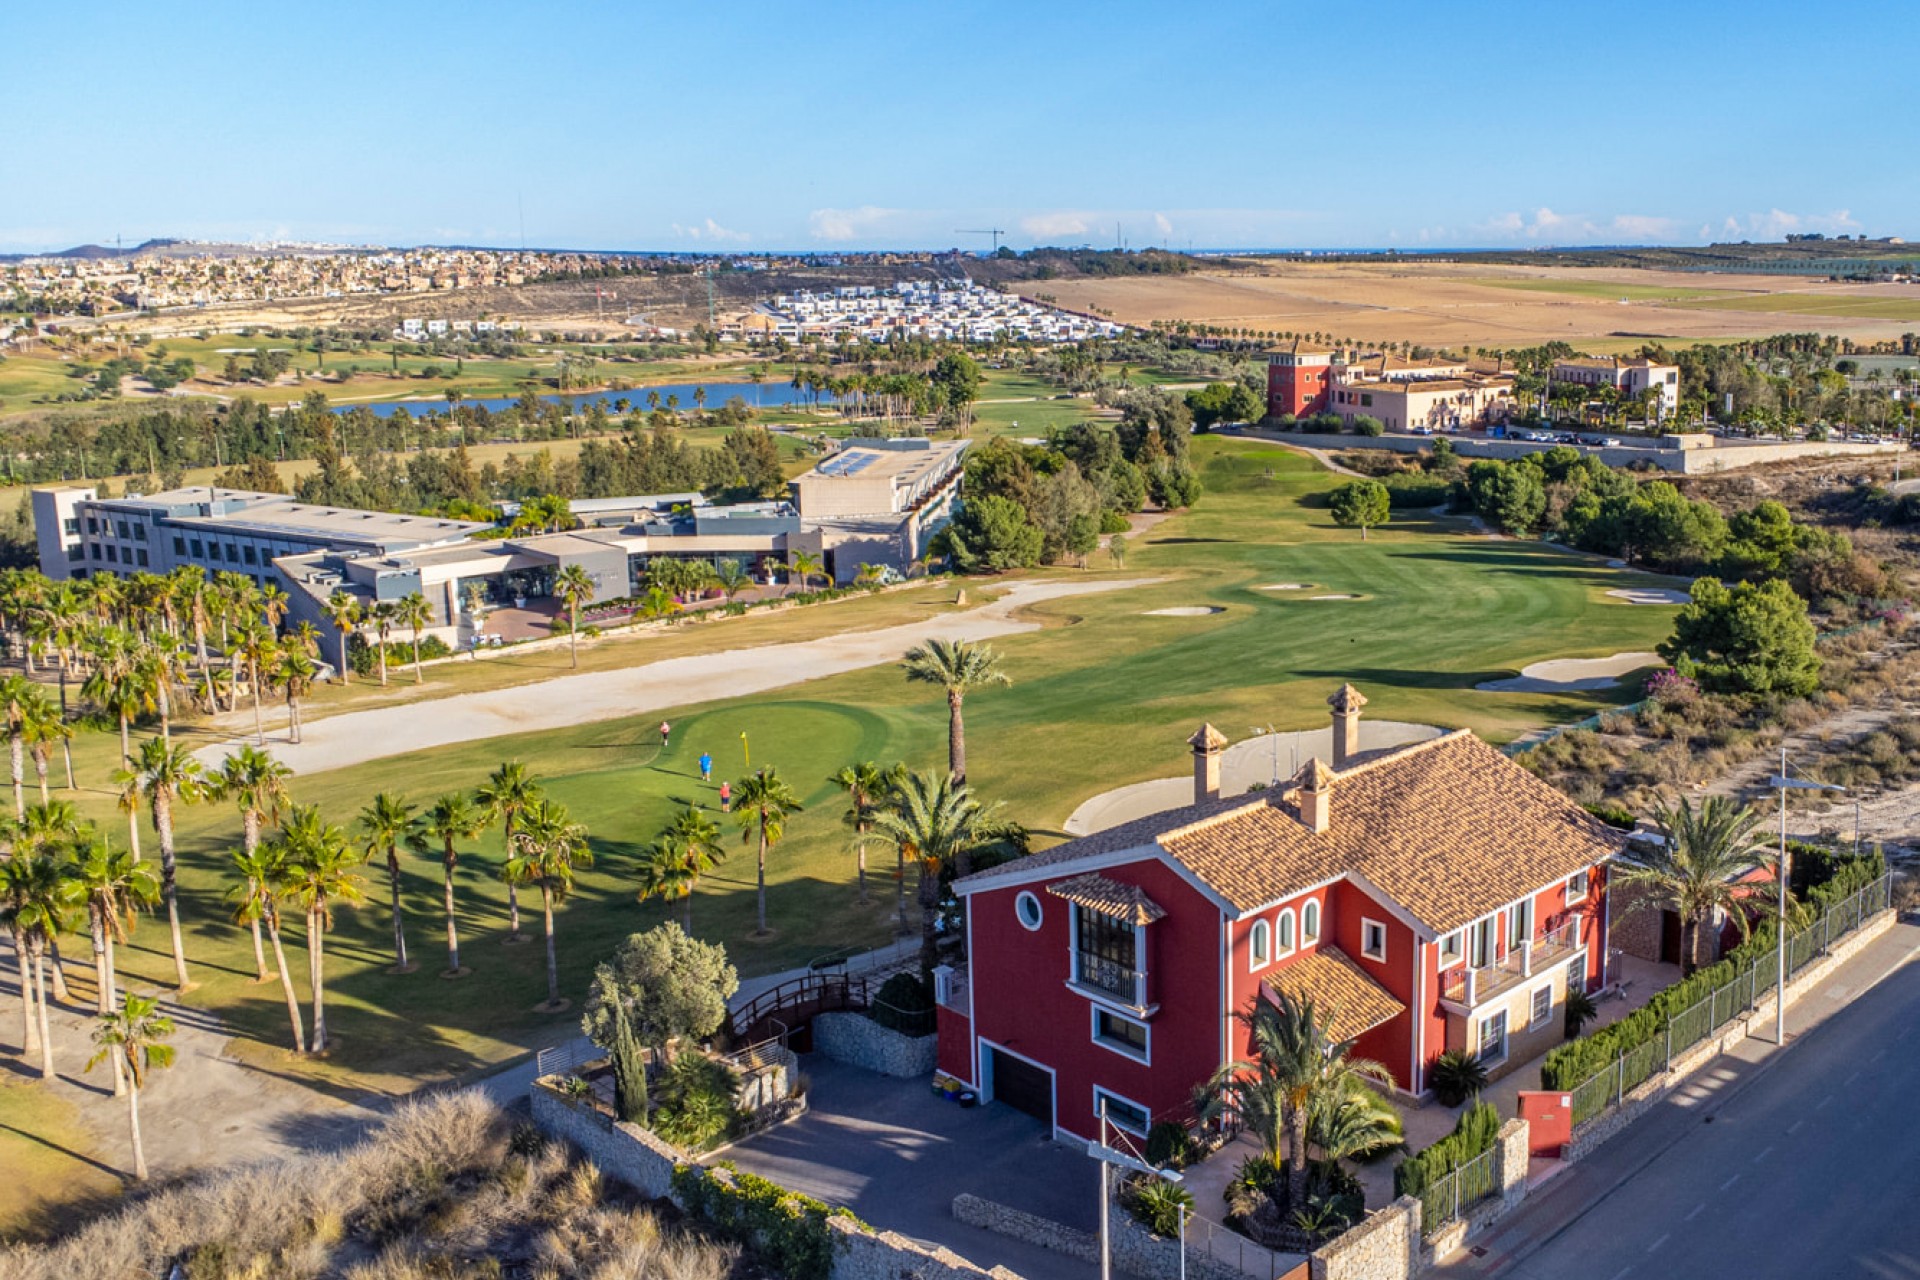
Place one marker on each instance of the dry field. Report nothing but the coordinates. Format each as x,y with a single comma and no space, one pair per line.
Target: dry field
1601,309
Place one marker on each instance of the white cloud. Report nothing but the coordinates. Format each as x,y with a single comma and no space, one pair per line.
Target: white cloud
1163,224
848,224
1546,220
1774,224
708,229
1054,225
1644,226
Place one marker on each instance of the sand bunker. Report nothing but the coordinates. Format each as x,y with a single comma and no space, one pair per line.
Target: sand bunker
1186,611
1649,595
1285,586
1334,597
1572,675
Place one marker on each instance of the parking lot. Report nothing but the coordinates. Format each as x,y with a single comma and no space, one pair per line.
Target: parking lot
896,1155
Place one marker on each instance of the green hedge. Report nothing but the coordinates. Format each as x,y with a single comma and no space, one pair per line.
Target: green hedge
788,1230
1574,1063
1473,1135
365,656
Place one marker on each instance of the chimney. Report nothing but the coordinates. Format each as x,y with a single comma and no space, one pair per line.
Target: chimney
1315,795
1346,706
1207,745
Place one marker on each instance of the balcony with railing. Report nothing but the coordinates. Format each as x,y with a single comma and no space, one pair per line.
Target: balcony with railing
1108,977
1465,987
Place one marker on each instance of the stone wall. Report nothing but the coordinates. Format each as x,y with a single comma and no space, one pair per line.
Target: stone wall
1635,929
863,1254
616,1148
1136,1251
859,1041
1384,1247
1689,461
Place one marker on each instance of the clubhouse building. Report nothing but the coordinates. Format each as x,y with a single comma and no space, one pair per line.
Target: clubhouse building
1438,395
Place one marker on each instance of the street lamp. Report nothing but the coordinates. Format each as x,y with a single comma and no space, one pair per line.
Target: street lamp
1786,784
1109,1157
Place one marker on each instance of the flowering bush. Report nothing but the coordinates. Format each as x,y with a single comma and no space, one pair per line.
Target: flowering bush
1669,688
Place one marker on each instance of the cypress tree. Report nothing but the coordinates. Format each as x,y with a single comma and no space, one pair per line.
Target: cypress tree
629,1070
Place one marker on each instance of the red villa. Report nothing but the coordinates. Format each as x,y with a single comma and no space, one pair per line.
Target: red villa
1428,897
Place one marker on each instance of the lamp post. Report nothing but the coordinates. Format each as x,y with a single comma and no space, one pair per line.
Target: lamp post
1786,784
1109,1157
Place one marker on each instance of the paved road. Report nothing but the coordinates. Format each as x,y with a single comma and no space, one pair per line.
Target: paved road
1806,1168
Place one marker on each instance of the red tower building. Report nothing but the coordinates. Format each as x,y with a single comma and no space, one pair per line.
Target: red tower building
1298,379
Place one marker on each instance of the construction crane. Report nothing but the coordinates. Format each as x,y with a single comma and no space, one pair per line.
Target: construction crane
995,232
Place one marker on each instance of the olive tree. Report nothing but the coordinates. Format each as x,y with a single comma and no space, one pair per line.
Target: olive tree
671,986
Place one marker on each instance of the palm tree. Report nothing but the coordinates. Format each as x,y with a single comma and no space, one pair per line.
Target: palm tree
192,590
18,699
258,649
263,878
934,822
165,774
1693,869
1295,1058
730,578
1353,1122
343,611
762,802
293,671
134,1038
257,783
574,585
109,887
451,818
384,614
866,785
548,846
320,872
958,666
114,685
41,726
688,849
507,793
35,910
415,613
803,565
384,823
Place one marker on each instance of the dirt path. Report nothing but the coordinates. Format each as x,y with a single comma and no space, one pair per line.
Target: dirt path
673,682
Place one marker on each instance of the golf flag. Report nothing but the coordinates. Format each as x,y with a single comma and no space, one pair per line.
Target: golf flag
746,748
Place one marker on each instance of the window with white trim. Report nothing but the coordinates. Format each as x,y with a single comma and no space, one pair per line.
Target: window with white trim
1122,1114
1519,925
1120,1034
1258,949
1309,924
1283,933
1453,949
1373,939
1493,1039
1480,943
1542,1006
1577,887
1027,907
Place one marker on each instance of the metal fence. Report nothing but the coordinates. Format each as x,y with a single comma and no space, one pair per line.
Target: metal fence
1610,1085
1207,1238
1446,1198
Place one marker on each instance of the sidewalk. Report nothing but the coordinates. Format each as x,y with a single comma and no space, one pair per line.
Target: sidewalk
1566,1191
510,1084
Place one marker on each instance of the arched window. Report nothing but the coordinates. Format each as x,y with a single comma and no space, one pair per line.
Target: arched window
1284,926
1310,924
1258,940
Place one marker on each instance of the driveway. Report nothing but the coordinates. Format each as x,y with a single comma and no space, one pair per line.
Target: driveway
897,1156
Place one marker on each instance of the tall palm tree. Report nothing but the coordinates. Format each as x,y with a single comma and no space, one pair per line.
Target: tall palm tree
109,887
263,879
1693,869
293,671
959,667
343,611
449,820
688,849
18,699
257,647
866,785
1353,1122
159,667
936,824
762,803
320,873
41,726
506,794
574,585
384,824
166,775
415,613
257,784
114,685
549,845
35,910
385,615
1295,1058
730,578
803,565
134,1037
194,593
53,831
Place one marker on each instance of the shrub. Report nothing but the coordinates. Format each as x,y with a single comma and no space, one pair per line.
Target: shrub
787,1229
1112,521
1456,1076
1580,1011
1473,1135
1169,1145
697,1102
1409,492
904,1004
1368,425
365,656
1158,1205
1617,816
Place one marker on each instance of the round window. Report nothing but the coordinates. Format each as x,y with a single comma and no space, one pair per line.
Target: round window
1027,907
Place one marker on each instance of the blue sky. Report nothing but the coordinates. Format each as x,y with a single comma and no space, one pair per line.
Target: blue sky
818,126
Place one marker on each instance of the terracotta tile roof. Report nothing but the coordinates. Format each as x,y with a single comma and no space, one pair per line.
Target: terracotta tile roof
1127,902
1347,999
1448,828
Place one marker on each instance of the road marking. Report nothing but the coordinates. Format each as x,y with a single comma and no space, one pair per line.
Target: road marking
1878,1054
1696,1211
1763,1155
1657,1243
1823,1102
1795,1126
1850,1079
1729,1182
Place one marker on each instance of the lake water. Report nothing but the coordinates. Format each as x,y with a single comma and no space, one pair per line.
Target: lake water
771,394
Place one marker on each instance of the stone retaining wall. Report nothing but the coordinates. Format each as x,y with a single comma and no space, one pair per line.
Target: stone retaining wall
1384,1247
624,1151
1688,461
1136,1251
864,1254
859,1041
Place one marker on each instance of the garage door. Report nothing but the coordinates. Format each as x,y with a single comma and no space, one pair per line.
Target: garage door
1022,1086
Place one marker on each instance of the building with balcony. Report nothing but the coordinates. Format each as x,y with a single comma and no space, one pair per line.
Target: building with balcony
1426,897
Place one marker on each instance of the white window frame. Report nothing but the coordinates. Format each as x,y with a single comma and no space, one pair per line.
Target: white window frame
1379,954
1286,934
1519,922
1452,949
1020,902
1259,945
1537,1016
1474,932
1506,1037
1310,922
1585,879
1126,1051
1111,1096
